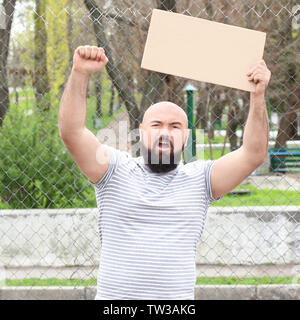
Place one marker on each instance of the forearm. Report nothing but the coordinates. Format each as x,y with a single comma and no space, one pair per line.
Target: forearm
256,131
72,111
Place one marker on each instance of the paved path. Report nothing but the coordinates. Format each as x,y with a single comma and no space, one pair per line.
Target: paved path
281,182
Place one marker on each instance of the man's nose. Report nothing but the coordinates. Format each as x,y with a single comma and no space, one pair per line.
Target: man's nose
164,131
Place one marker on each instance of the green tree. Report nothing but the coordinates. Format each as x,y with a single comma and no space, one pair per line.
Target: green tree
9,8
57,47
40,76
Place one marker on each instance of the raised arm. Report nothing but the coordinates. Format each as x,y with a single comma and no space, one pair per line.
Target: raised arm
81,142
231,169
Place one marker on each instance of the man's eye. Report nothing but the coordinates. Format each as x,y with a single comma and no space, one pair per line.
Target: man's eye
155,125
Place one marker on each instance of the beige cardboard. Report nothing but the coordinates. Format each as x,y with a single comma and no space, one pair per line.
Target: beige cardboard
201,49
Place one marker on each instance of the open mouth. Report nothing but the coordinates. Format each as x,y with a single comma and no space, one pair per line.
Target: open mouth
164,145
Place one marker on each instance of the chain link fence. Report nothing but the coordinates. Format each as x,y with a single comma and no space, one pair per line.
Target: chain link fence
48,226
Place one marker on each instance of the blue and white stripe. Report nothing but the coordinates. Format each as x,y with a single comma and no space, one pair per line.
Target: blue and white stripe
149,226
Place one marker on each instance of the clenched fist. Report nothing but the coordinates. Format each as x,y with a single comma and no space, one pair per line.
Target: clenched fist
260,75
89,59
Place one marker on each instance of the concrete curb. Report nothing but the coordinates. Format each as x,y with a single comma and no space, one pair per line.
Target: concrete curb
202,292
42,293
225,292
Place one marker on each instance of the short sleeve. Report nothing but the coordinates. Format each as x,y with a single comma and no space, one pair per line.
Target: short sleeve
208,164
116,159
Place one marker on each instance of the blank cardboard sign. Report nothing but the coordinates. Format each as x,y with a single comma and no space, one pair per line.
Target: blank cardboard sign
201,49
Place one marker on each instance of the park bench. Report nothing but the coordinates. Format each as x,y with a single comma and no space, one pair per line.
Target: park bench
284,159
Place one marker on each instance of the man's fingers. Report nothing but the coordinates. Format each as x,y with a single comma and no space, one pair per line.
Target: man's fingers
87,52
100,52
257,76
259,73
251,77
251,74
80,51
94,51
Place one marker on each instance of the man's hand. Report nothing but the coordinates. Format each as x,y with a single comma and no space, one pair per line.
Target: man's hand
260,75
89,59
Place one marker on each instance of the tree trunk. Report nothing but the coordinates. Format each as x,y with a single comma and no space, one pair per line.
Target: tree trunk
119,80
244,114
288,122
232,126
69,32
150,96
9,8
16,95
40,78
112,99
119,101
98,89
216,114
166,5
172,88
286,130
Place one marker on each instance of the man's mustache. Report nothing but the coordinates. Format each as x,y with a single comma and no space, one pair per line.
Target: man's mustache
163,139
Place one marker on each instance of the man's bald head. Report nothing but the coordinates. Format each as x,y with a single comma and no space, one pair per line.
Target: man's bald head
168,109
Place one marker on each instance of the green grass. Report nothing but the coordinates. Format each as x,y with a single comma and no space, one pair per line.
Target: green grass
216,154
244,281
216,139
259,197
34,282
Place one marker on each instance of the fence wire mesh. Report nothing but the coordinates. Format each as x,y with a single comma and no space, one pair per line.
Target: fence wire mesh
48,227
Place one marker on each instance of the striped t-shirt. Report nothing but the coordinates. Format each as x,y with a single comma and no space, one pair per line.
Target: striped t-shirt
149,226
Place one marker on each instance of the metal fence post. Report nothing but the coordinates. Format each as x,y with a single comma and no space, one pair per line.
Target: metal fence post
191,146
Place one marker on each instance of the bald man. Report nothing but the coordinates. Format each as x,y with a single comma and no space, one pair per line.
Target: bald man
152,208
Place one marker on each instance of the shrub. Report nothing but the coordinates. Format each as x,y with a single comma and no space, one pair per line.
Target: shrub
36,170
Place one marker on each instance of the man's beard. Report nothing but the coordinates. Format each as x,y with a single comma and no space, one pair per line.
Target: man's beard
160,162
